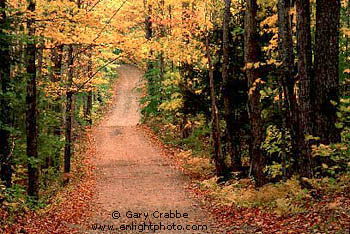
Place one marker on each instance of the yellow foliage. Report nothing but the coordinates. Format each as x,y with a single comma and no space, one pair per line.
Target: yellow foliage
197,166
345,31
176,103
283,198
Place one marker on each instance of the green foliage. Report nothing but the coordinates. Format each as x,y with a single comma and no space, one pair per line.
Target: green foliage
329,185
344,56
102,95
335,158
273,141
13,202
153,98
199,133
198,139
273,146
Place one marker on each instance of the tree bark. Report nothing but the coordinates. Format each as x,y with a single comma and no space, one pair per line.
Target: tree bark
69,115
215,128
148,30
251,56
31,114
88,110
89,107
148,22
347,36
40,59
162,63
5,103
57,56
303,164
231,147
290,119
327,70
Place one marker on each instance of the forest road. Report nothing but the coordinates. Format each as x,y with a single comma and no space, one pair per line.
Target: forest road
134,181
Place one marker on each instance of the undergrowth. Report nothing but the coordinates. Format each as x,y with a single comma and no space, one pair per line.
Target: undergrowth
282,198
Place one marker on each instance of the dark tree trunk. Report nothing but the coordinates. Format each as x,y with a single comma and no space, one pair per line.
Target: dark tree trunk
57,55
148,23
347,36
215,128
88,109
69,115
283,138
5,104
231,147
290,118
40,55
148,29
31,115
162,63
161,66
327,69
303,164
251,57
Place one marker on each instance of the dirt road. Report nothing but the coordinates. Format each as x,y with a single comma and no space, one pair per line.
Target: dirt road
134,180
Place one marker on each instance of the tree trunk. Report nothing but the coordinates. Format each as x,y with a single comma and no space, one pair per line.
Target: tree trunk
69,115
290,118
347,36
303,164
283,138
31,115
40,55
148,30
162,34
5,103
215,128
148,22
88,109
57,55
327,70
231,147
251,55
